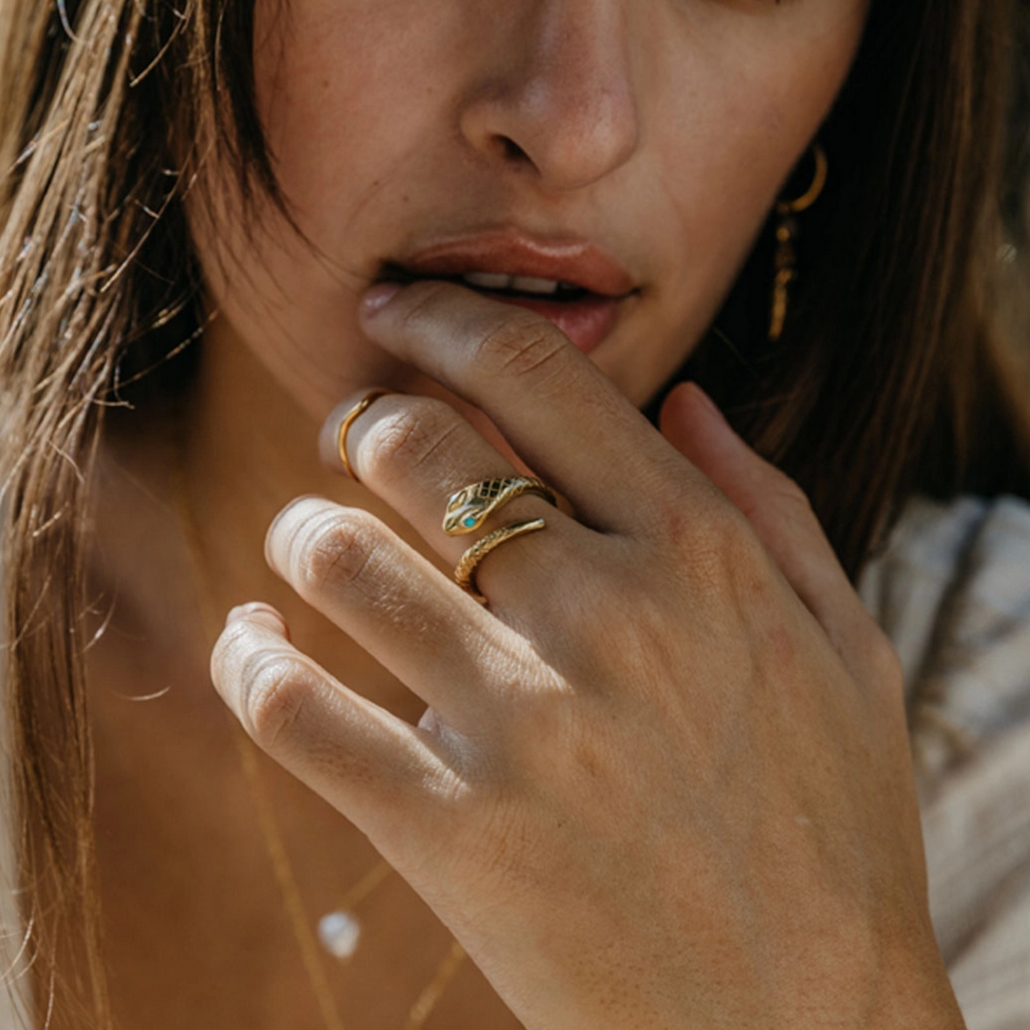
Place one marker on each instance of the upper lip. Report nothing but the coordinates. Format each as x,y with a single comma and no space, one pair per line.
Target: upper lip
513,252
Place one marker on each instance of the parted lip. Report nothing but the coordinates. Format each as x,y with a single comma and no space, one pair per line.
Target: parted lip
509,251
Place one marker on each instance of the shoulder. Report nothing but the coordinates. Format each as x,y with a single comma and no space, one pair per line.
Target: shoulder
952,590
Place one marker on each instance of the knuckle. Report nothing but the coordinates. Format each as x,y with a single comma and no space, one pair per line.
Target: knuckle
404,441
789,491
780,495
275,688
338,554
717,556
885,661
712,536
522,344
791,497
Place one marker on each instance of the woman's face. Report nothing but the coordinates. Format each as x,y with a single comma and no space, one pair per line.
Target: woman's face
629,147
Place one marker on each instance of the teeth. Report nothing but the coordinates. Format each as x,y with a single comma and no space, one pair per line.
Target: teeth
525,284
489,280
521,283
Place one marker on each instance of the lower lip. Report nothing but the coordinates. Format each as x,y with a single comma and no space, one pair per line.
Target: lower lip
585,322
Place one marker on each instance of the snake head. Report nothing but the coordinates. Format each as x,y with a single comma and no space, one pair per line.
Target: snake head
470,507
466,510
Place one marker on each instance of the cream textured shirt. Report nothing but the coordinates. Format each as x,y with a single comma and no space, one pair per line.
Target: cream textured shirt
952,590
953,593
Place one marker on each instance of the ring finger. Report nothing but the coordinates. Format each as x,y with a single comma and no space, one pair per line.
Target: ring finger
415,453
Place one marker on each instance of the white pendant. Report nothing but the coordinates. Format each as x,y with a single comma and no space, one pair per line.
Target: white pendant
339,933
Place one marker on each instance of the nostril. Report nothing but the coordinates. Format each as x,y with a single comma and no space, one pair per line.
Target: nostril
513,152
571,138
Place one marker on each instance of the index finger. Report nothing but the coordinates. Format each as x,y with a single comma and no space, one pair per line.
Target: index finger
564,418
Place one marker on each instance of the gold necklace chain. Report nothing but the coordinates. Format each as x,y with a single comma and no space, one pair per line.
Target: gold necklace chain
307,943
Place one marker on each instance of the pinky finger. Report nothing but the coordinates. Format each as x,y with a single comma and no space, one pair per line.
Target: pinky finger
371,766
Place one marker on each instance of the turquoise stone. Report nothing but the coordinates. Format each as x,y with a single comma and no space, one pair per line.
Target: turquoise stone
470,521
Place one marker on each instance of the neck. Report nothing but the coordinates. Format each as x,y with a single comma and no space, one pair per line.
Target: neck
245,449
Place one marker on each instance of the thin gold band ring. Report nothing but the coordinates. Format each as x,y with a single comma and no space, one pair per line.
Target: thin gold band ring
359,409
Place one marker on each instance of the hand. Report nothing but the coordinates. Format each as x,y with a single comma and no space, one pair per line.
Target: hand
664,778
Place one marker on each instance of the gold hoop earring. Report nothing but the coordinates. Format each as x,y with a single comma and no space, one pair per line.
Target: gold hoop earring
785,262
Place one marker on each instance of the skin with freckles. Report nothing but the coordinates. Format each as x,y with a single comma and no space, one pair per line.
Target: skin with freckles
665,781
660,131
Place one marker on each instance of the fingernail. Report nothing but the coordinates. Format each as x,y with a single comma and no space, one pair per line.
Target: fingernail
378,297
242,611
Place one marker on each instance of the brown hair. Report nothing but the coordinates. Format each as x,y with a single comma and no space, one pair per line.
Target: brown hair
97,284
912,265
111,107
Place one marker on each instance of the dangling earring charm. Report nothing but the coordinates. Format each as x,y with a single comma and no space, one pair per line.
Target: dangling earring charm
786,233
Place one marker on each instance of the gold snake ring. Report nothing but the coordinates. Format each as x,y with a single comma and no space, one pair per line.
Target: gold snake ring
465,573
471,506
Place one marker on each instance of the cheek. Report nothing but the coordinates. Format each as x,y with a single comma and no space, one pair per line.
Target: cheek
739,102
312,110
347,94
742,116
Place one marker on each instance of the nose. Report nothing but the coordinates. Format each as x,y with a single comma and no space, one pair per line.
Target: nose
561,102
